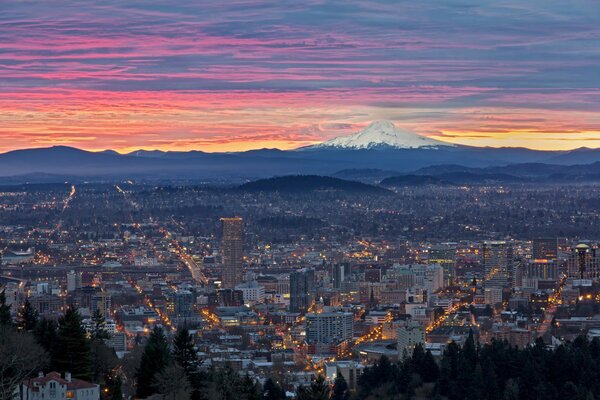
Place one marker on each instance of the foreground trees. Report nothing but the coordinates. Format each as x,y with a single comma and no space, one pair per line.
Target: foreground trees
20,357
491,372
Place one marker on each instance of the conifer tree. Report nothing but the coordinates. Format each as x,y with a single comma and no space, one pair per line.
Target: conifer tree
272,391
27,317
340,388
5,317
71,351
154,361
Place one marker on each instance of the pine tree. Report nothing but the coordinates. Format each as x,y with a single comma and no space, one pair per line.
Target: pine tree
318,390
100,331
117,390
272,391
250,390
27,317
45,333
71,351
184,352
5,317
340,388
154,361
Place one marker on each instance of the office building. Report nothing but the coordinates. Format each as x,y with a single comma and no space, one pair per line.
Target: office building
409,335
583,262
232,246
497,263
545,248
302,284
329,327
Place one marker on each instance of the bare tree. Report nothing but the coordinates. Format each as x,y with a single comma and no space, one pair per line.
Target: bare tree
173,384
20,357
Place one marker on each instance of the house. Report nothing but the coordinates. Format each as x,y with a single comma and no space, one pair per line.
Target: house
53,386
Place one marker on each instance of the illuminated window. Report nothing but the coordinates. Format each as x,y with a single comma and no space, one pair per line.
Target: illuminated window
70,394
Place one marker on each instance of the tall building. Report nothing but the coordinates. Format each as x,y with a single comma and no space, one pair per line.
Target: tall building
497,263
302,284
545,248
444,254
583,262
329,327
232,251
73,280
338,275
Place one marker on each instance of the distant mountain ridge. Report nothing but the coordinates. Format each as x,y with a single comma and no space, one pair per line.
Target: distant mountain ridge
367,165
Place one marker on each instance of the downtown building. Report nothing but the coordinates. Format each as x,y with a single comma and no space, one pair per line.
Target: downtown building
497,260
331,327
232,251
302,284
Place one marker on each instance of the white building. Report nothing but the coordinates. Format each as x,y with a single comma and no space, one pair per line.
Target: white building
329,327
252,292
53,386
426,276
409,336
73,281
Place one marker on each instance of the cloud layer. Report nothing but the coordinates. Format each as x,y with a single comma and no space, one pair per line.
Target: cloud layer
235,75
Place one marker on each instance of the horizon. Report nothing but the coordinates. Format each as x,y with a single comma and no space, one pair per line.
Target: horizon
233,77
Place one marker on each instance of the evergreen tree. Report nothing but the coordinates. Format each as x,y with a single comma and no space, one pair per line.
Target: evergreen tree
99,331
5,317
71,351
117,389
45,333
318,390
154,360
272,391
27,317
340,388
250,390
184,352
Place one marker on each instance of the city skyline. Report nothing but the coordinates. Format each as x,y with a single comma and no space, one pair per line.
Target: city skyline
239,76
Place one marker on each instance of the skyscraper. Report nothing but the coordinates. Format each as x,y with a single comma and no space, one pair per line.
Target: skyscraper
545,248
232,247
583,262
301,289
497,263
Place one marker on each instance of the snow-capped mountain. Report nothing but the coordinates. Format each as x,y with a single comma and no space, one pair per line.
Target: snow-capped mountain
382,134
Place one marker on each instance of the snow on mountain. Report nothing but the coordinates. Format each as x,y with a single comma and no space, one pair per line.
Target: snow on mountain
381,134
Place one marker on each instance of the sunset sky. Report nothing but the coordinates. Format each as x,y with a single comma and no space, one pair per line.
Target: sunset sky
235,75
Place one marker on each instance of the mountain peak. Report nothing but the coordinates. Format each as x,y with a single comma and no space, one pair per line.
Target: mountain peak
383,134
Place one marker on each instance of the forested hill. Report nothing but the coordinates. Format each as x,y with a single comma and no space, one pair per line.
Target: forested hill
308,183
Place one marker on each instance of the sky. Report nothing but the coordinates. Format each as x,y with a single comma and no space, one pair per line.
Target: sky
237,75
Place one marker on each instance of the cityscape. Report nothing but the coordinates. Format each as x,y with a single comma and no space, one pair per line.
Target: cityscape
286,286
318,200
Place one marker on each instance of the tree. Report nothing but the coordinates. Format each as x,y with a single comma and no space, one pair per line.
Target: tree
99,331
223,384
71,351
154,360
5,316
249,389
184,352
272,391
45,333
117,390
318,390
20,356
27,317
172,383
340,388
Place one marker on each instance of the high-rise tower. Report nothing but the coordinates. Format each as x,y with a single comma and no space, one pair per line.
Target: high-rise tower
232,248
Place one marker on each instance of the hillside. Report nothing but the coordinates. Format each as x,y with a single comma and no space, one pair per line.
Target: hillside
308,183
